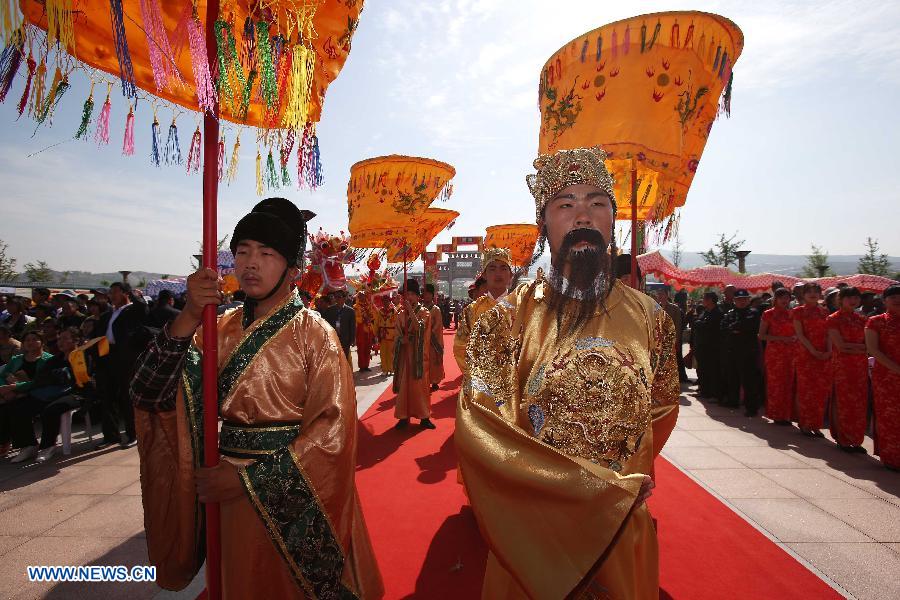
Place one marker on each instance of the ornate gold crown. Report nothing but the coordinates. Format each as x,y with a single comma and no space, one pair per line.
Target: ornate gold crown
491,254
568,167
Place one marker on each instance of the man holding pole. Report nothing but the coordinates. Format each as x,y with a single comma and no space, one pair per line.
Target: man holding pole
291,525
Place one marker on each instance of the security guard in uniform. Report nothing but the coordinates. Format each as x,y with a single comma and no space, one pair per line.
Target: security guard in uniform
740,327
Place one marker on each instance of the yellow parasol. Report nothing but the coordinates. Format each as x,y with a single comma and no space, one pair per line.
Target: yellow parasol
416,236
646,89
520,238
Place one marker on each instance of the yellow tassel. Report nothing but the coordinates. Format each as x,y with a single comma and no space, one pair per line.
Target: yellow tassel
11,20
259,181
37,92
297,111
233,165
59,22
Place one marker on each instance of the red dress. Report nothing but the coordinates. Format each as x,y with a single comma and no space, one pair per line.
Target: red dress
886,388
850,399
813,375
780,357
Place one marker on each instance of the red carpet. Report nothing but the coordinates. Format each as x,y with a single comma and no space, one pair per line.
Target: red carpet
428,545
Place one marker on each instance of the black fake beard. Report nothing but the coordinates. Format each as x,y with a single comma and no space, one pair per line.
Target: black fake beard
589,283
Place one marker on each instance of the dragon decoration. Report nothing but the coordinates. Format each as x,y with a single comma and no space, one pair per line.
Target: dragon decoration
375,282
326,259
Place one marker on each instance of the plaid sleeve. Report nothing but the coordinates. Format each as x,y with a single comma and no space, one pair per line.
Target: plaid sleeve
158,369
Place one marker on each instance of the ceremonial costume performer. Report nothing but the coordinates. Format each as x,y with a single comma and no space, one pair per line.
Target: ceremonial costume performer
387,335
848,416
365,330
813,361
497,275
436,340
777,330
883,343
572,392
412,359
291,524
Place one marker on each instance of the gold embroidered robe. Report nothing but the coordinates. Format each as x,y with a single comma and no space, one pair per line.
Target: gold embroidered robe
387,336
289,424
470,316
412,363
553,436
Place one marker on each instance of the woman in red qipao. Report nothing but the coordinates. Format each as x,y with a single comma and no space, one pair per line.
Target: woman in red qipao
883,343
777,330
813,360
850,366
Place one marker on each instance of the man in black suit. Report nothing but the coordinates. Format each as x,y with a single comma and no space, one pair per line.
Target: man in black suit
123,327
164,310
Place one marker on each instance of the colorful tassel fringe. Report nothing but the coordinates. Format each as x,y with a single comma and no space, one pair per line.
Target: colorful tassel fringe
128,139
59,22
126,69
233,165
259,179
37,96
23,101
101,136
87,112
173,146
271,175
10,61
193,161
159,49
57,89
220,160
309,164
297,110
206,93
268,88
157,142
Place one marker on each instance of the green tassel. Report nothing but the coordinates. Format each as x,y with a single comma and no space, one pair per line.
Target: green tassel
271,173
285,176
245,98
86,114
52,101
223,33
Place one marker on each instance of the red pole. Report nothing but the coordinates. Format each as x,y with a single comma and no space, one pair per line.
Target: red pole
634,246
210,342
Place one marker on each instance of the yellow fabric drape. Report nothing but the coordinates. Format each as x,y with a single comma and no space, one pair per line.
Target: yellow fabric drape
645,88
94,44
520,238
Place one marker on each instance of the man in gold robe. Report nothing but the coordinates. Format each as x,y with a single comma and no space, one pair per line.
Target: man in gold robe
572,392
497,274
291,524
386,318
436,339
412,360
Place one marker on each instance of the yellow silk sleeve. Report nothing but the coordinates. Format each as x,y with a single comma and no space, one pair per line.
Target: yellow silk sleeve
666,388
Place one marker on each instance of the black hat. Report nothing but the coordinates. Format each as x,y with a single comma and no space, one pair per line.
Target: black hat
429,287
742,294
891,290
412,285
277,223
100,291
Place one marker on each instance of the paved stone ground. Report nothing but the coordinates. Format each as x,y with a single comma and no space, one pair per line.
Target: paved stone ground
838,513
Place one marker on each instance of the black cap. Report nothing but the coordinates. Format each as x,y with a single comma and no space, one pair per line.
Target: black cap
102,291
277,223
412,285
742,294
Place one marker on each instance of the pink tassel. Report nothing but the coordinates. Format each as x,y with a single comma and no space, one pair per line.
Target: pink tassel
193,161
128,142
161,56
221,159
102,133
206,93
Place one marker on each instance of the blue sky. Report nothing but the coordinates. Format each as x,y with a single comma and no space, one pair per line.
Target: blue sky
808,156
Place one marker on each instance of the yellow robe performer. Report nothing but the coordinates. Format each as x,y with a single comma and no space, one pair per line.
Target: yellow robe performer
287,401
553,437
412,363
471,313
387,336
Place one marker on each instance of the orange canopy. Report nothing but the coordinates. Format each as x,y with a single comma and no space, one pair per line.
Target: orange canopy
519,238
646,89
416,236
388,196
326,28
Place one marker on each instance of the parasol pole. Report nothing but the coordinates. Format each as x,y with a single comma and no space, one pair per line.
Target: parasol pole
634,246
210,343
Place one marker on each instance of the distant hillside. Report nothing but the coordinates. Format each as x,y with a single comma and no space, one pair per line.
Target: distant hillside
85,280
789,264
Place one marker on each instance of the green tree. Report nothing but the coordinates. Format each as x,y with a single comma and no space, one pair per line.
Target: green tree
816,260
164,276
724,252
104,282
7,264
38,272
677,250
873,263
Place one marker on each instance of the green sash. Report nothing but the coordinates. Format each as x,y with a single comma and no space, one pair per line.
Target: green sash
277,488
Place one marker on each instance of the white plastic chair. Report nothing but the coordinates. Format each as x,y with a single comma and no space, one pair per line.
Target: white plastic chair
65,429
